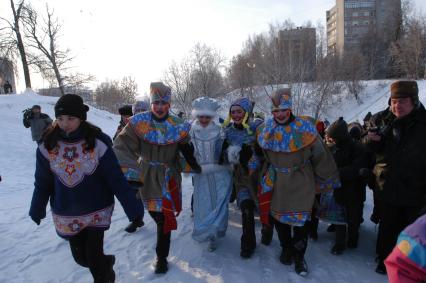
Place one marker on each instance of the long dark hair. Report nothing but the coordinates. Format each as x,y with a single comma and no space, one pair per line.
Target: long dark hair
89,132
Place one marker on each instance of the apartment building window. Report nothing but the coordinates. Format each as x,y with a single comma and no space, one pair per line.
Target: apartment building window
360,4
355,14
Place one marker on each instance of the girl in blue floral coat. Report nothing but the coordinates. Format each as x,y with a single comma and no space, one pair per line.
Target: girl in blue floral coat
78,172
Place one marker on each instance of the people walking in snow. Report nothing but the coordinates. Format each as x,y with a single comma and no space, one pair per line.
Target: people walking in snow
77,170
401,161
125,113
212,188
37,121
345,207
239,148
149,145
296,161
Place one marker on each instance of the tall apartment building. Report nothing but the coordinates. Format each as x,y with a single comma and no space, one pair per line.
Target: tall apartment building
298,51
350,20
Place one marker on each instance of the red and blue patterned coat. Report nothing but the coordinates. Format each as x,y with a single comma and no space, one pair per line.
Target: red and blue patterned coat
80,185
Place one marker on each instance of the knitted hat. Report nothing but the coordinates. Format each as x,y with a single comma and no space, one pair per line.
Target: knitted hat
36,107
244,103
140,106
355,130
402,89
72,105
160,92
338,130
281,99
125,110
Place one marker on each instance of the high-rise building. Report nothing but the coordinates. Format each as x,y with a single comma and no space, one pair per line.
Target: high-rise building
349,21
298,51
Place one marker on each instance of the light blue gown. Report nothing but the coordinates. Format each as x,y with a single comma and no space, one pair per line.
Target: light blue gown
212,188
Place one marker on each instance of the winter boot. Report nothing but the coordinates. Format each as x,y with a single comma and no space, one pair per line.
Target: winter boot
300,266
248,238
111,262
161,266
352,244
331,228
381,268
211,247
134,225
286,256
267,234
337,249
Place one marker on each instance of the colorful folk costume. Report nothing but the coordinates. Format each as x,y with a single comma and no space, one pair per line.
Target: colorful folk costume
297,164
407,262
148,147
212,188
239,145
79,173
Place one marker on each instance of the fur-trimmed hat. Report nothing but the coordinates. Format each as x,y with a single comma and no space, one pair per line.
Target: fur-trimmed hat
205,106
72,105
281,99
338,130
402,89
160,92
125,110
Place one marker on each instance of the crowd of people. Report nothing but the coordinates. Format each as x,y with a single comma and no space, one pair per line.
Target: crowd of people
290,170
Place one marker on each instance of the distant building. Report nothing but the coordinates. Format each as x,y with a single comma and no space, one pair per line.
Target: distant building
85,93
6,74
298,52
350,20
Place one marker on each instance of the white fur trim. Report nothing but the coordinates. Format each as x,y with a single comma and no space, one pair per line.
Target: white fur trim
203,112
234,154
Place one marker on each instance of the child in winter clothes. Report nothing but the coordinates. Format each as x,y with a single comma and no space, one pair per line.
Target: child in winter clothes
78,171
346,205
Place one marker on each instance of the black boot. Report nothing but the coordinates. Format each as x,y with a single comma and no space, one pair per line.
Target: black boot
267,234
381,268
331,228
248,238
111,262
286,256
337,249
134,225
161,266
300,265
340,241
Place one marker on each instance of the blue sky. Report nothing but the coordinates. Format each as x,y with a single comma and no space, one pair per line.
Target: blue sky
112,39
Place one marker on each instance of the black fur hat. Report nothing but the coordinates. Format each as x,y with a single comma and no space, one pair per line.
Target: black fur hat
125,110
338,131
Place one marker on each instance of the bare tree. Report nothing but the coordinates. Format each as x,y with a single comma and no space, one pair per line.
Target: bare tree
11,39
352,71
43,35
111,95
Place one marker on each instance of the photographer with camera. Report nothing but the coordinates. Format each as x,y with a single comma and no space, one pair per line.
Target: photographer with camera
400,165
37,121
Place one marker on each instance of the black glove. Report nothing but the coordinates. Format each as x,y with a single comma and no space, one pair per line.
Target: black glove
339,196
245,154
36,221
187,150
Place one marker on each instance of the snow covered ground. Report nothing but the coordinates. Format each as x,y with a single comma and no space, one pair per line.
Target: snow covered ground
31,253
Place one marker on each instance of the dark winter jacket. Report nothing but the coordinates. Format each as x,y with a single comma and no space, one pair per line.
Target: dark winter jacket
38,124
401,159
352,160
80,185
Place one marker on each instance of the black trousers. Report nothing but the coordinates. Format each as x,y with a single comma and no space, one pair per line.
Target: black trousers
296,243
87,248
354,211
394,220
163,240
248,238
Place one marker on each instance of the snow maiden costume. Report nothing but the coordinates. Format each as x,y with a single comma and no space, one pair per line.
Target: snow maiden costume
212,188
148,147
296,162
80,175
239,143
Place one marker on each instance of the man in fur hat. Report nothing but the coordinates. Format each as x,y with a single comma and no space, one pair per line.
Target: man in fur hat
149,147
399,146
296,162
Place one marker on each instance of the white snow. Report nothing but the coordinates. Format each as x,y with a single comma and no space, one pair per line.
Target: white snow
31,253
